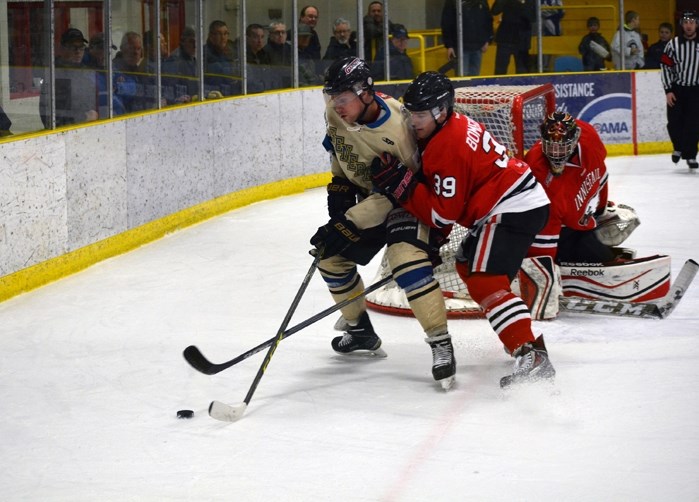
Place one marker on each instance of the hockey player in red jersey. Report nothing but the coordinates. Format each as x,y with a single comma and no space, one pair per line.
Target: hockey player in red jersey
568,161
468,178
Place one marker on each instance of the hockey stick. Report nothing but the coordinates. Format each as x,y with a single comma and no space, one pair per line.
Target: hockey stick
200,363
659,310
228,413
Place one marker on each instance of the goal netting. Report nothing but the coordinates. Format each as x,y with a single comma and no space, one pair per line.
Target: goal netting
512,114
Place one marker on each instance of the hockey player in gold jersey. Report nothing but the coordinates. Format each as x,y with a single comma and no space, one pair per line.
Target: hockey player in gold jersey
361,125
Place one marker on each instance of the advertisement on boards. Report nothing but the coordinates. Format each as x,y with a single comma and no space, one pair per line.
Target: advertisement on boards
593,97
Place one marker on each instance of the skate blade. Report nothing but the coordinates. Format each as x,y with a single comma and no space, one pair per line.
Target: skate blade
448,382
508,382
379,353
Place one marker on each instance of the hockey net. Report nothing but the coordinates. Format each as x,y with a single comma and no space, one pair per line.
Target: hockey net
512,114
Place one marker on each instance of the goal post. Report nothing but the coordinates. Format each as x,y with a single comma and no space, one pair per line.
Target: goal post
513,115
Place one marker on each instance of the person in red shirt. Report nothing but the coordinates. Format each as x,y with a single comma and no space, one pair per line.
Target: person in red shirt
468,178
569,163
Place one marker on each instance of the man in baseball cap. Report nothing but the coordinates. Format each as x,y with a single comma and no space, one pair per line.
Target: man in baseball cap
399,31
73,35
75,88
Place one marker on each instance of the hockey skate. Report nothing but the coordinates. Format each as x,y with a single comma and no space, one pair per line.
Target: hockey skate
675,157
359,340
443,362
531,364
692,165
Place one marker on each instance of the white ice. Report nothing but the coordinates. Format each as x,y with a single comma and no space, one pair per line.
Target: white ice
91,376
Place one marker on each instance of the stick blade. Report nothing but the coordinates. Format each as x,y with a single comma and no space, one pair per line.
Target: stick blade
197,360
678,288
225,412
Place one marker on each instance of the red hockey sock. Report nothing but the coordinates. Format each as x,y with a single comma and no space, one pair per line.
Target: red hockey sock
507,313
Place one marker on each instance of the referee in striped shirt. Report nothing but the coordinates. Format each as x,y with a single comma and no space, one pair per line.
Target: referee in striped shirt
680,76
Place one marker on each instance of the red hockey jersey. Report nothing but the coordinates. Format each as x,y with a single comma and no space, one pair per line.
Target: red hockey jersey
469,178
577,194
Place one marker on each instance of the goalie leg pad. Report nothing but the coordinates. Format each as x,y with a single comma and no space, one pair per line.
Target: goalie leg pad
538,283
637,280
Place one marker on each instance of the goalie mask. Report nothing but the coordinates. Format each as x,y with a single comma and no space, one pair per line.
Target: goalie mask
559,138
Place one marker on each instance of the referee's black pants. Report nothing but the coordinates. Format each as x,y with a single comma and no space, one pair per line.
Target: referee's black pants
683,121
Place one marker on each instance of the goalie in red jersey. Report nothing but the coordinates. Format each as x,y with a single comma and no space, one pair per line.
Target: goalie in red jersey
584,229
468,178
569,162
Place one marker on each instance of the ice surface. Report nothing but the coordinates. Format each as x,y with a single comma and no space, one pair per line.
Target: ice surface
92,377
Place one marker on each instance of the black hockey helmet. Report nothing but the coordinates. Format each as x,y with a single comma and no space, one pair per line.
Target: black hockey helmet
429,90
689,14
348,74
559,137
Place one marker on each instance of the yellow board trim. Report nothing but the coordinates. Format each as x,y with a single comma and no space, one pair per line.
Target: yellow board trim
53,269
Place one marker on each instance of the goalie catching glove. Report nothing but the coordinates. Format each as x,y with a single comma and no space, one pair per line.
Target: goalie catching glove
616,223
335,236
391,177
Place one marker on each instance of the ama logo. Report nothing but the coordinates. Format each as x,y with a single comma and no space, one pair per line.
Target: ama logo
611,117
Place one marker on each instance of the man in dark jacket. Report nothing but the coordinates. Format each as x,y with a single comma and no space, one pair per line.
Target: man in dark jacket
655,51
514,34
477,32
401,65
342,43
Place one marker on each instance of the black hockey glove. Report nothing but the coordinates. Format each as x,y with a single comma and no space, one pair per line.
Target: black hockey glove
335,236
391,177
342,195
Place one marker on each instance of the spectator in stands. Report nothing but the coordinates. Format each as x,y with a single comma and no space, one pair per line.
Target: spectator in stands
308,66
551,18
373,30
550,26
255,41
309,17
135,90
594,48
278,49
5,124
150,50
400,64
631,45
477,32
655,51
220,61
95,57
75,87
95,54
514,34
342,43
179,70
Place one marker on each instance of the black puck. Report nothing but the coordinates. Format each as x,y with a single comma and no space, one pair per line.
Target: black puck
185,414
